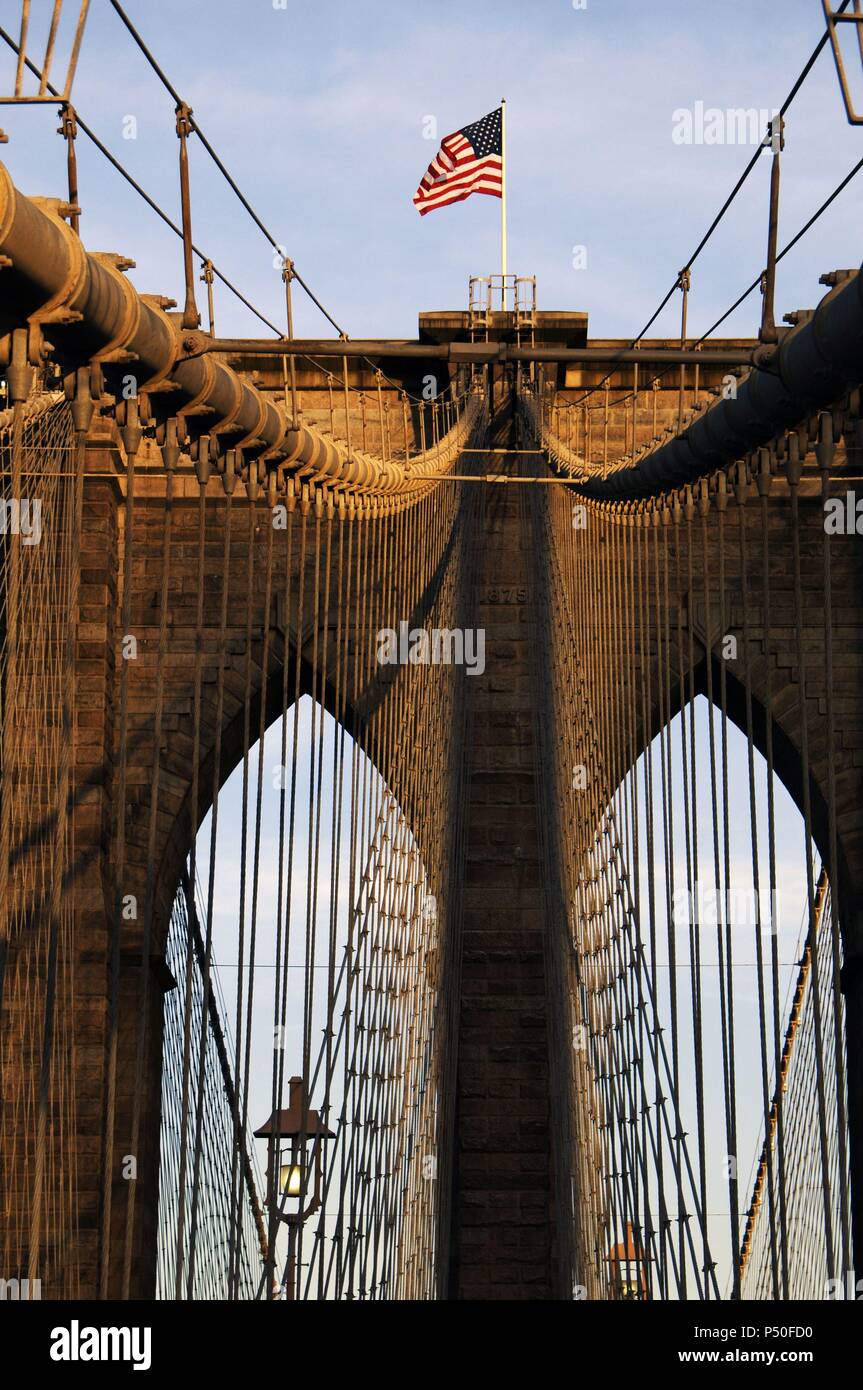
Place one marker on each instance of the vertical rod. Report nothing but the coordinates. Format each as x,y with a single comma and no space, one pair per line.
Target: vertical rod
768,332
635,410
379,378
19,380
208,277
288,276
69,129
131,435
685,283
191,317
852,989
405,420
347,409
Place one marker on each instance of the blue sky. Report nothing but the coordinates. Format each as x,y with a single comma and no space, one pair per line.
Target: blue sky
318,111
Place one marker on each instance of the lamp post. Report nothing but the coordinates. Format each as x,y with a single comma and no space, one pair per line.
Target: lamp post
627,1273
295,1139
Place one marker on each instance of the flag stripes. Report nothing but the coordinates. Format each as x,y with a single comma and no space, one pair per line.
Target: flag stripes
468,161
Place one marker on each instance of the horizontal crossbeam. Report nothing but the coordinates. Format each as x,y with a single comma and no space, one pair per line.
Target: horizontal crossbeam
196,344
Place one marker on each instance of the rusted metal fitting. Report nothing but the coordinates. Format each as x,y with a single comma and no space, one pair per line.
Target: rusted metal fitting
83,400
229,476
825,449
68,126
772,132
184,119
200,450
764,476
19,373
130,431
170,449
722,490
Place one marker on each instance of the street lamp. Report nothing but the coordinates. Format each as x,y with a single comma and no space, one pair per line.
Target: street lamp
295,1139
627,1261
297,1136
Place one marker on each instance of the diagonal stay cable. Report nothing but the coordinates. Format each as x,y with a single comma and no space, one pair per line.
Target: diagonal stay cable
169,87
789,247
798,236
810,63
151,202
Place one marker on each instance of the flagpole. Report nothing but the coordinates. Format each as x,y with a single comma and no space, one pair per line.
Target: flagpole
503,202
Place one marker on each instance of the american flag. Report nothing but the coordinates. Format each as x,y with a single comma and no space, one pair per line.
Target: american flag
469,161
